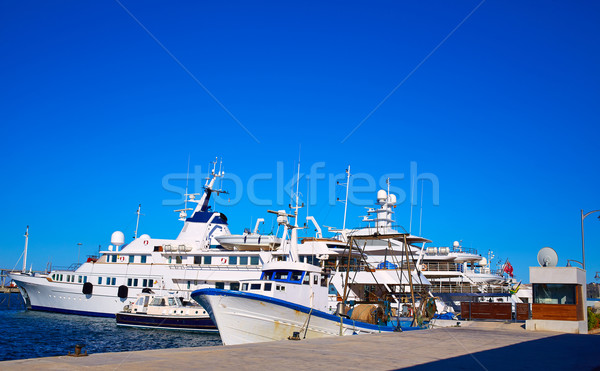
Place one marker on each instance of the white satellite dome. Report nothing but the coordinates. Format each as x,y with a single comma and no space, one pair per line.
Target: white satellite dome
456,244
392,198
145,237
483,262
117,238
381,195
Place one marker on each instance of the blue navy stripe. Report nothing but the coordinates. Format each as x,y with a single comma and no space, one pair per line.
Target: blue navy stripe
287,304
69,311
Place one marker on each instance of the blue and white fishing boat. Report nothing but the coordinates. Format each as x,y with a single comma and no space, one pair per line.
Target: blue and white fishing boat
289,301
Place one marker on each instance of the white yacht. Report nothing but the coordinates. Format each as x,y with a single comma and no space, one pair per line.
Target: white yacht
193,260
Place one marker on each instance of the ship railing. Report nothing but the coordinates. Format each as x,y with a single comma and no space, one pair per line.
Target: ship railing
216,267
467,288
437,267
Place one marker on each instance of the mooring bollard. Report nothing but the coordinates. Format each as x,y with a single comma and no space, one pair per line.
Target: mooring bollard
78,351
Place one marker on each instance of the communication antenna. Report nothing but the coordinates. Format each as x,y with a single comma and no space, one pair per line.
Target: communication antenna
137,223
547,257
421,212
412,181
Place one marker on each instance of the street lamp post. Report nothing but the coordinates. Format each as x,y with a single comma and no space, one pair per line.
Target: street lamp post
583,216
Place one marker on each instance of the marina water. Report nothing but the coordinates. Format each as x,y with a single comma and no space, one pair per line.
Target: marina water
30,334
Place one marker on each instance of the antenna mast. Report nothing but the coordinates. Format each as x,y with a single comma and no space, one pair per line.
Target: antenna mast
346,201
25,252
412,181
421,212
137,223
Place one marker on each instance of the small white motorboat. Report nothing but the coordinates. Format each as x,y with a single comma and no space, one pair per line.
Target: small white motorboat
250,241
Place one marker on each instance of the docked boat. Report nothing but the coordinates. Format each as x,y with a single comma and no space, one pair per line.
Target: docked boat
165,312
291,300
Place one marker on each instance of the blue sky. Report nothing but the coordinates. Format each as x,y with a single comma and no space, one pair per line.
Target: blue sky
96,116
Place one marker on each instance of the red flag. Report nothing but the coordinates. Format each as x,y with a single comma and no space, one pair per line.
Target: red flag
508,269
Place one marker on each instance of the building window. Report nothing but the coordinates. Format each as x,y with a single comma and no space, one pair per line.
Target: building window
243,260
234,286
131,258
219,285
554,293
143,259
254,260
233,260
207,259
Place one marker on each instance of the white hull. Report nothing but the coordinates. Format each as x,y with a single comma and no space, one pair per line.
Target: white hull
247,319
40,294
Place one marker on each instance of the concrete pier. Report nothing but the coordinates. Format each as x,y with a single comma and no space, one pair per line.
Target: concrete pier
485,346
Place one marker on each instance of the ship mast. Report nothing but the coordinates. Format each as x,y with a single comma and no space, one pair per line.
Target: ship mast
25,251
137,223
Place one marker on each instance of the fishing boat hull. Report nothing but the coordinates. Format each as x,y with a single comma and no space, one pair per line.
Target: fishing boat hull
244,317
188,323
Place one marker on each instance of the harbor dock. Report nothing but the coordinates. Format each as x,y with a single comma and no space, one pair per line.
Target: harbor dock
481,345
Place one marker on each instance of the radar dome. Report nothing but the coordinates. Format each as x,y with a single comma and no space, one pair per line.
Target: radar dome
117,238
483,262
381,195
145,237
456,244
392,198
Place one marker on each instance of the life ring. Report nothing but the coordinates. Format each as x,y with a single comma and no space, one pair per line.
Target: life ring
145,242
423,267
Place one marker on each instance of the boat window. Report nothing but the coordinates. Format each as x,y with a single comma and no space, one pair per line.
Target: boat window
255,286
268,286
207,259
244,287
306,280
155,302
150,283
169,259
281,275
145,282
220,285
84,279
114,259
280,288
302,258
114,281
131,258
79,279
178,259
99,280
323,281
234,286
267,276
315,279
243,260
189,284
296,276
172,302
143,259
197,260
129,281
233,260
135,282
254,260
